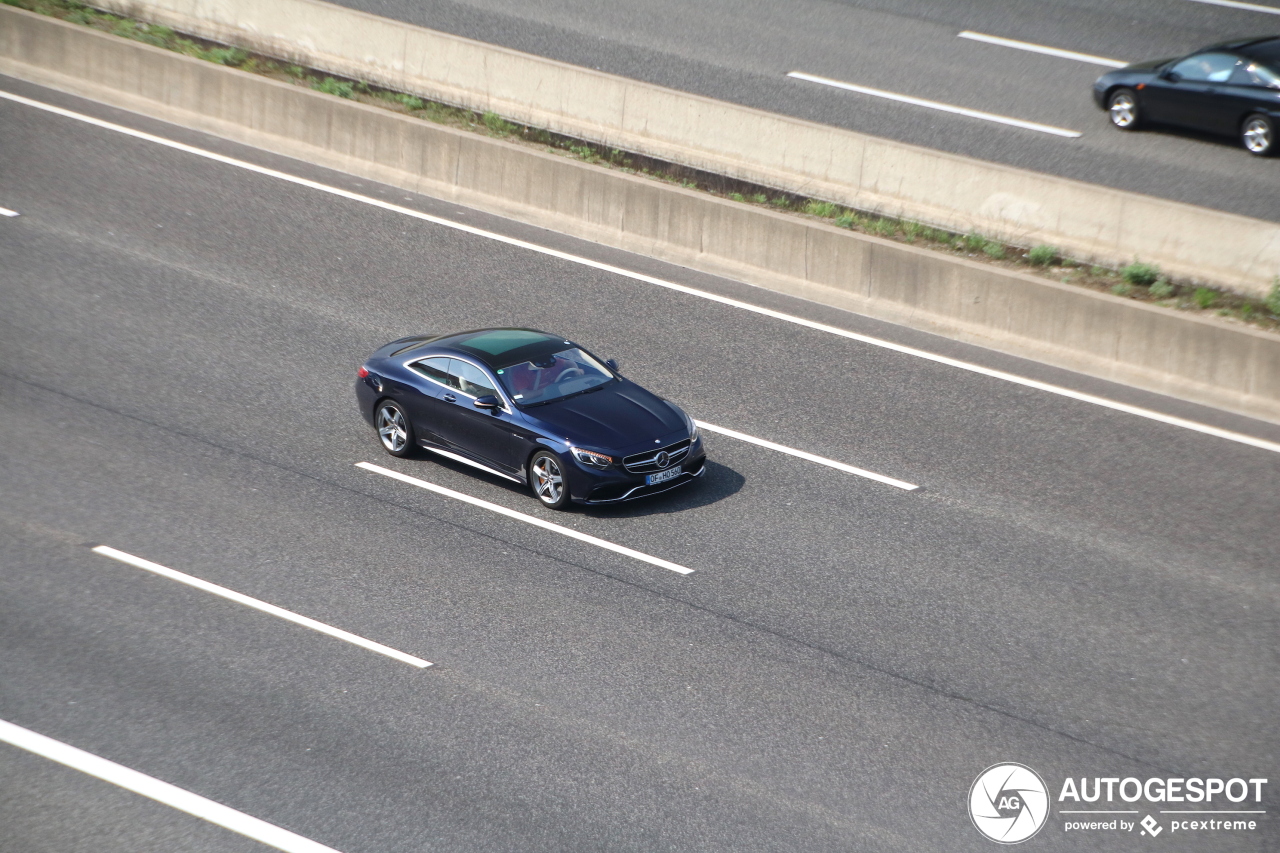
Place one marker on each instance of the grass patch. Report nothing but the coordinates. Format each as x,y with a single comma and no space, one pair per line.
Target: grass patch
1273,298
330,86
993,250
1204,298
499,126
1162,289
1140,275
1042,256
825,209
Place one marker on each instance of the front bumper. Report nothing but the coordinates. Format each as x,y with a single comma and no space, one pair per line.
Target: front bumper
634,486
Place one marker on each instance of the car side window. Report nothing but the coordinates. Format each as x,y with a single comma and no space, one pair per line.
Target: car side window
1253,74
471,379
1206,68
437,370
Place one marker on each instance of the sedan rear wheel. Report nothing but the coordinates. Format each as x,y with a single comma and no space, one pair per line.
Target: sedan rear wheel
1258,133
1122,107
546,477
394,430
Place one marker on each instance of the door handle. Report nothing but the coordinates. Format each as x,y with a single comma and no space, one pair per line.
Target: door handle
449,398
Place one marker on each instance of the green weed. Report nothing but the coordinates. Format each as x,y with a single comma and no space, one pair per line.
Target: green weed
736,197
1042,255
499,126
883,227
993,250
1273,298
331,86
1162,289
1140,274
1122,288
1204,297
825,209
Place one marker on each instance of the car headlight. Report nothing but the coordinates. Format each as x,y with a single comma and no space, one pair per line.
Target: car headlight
592,458
693,429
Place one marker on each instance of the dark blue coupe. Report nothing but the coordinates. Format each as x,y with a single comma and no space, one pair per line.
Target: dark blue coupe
530,407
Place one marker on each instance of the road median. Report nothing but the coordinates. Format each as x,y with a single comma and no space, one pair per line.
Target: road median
1194,358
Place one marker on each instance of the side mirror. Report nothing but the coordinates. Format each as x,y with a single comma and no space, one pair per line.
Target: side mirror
488,401
1172,76
612,364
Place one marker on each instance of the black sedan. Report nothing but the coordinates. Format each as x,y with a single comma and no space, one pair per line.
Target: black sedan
1231,89
531,407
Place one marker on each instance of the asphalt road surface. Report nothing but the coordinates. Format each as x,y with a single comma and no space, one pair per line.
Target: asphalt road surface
1085,591
742,50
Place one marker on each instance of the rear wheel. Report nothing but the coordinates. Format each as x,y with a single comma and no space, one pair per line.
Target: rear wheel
1122,108
546,478
1258,133
394,429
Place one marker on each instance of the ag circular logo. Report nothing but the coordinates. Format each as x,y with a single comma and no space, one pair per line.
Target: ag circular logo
662,459
1008,803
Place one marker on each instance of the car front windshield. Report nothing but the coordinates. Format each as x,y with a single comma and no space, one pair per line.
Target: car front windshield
568,372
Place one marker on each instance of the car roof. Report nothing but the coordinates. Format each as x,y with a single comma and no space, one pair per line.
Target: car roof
502,347
1267,49
1247,46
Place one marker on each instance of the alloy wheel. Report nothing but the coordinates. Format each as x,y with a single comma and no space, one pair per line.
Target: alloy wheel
548,482
1257,135
392,429
1123,110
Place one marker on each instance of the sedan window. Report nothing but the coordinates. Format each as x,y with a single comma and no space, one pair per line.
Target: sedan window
437,370
470,379
542,380
1206,67
1255,74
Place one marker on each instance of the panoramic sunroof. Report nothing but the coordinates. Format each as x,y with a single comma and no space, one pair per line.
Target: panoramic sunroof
501,341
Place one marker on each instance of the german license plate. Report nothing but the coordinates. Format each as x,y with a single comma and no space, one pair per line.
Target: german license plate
662,476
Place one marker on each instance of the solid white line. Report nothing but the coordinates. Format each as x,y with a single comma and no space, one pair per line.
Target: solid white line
791,451
1248,7
527,519
288,615
1212,811
4,211
162,792
1039,48
935,105
670,285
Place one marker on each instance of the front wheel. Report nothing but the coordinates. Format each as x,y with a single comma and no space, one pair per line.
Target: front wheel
1122,108
546,478
1258,133
394,429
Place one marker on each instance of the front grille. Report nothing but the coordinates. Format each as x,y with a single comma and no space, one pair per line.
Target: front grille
647,462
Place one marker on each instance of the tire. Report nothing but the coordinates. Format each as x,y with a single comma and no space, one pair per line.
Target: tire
1258,135
1123,109
395,430
546,478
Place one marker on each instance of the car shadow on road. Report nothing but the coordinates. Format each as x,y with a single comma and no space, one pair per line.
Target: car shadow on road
718,483
1215,139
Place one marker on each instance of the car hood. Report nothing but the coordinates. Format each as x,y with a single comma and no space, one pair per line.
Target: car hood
619,415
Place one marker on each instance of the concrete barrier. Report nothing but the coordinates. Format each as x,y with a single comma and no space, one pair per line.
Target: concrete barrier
865,172
1198,359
